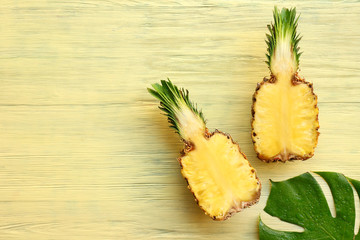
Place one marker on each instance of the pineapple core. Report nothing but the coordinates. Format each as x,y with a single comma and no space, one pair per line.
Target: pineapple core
219,175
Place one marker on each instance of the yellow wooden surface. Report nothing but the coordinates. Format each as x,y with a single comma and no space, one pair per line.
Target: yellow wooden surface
86,154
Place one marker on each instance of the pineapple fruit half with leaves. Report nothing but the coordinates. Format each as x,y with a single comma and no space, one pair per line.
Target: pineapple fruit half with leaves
220,177
285,113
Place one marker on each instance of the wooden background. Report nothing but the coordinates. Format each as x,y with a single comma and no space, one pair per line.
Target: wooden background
86,154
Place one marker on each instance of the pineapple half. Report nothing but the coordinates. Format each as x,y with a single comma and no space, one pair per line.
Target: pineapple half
285,114
217,172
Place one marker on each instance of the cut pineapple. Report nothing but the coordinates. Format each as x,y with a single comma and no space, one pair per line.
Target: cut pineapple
285,113
218,173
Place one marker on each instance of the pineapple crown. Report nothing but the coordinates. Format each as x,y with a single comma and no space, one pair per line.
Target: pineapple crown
283,38
182,114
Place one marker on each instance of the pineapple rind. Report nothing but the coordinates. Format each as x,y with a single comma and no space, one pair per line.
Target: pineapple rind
227,202
282,42
182,114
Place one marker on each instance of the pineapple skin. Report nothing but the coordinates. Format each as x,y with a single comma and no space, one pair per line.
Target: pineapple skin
296,80
239,206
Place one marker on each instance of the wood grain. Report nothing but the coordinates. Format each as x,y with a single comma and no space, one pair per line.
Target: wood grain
86,154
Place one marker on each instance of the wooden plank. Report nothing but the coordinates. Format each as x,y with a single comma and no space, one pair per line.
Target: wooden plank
86,154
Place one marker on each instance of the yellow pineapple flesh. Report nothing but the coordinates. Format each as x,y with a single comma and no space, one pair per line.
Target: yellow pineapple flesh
285,113
219,175
217,172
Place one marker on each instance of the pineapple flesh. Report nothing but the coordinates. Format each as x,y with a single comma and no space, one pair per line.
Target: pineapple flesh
285,113
217,172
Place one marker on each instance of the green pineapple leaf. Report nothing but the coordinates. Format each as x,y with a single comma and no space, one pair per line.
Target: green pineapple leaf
301,201
283,40
182,114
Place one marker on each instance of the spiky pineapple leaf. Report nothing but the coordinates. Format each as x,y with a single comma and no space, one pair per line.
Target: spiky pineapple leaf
301,201
283,31
174,102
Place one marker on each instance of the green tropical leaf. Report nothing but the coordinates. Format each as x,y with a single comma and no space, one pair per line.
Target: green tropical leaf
301,201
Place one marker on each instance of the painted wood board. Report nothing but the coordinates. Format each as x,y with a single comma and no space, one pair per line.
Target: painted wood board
84,150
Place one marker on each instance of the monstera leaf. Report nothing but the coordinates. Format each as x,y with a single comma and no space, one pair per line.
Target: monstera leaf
301,201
